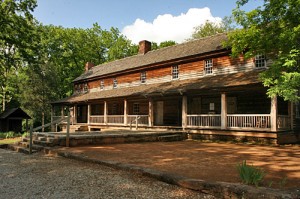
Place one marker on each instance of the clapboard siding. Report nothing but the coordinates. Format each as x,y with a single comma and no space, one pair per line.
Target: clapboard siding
221,65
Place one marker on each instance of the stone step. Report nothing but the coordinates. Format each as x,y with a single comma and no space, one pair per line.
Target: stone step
20,149
171,138
43,143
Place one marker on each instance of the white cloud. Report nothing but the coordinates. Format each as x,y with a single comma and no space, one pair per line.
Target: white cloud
168,27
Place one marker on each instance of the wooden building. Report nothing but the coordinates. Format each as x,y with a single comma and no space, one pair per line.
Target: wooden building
11,120
194,86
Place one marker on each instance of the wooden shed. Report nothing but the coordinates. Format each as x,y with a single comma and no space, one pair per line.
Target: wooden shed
11,120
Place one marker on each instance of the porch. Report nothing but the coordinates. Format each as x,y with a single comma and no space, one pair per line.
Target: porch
232,111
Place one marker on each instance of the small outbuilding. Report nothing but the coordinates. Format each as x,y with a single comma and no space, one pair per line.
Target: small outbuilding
11,120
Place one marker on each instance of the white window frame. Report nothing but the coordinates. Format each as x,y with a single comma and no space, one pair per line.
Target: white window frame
208,66
85,87
102,84
136,108
175,72
143,77
115,83
260,61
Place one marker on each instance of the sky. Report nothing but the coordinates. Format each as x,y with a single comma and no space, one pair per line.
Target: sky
153,20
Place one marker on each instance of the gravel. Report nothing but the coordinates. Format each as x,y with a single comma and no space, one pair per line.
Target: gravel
41,176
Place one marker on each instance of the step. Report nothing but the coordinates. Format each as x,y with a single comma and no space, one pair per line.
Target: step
43,143
20,149
170,138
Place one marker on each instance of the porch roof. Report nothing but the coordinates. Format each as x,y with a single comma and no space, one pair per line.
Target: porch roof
171,87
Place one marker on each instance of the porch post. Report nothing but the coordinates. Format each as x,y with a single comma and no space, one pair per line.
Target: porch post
52,125
75,114
274,114
62,111
150,118
184,112
125,112
291,114
105,112
89,117
223,111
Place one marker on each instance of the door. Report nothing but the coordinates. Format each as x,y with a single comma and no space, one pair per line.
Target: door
159,113
231,105
82,113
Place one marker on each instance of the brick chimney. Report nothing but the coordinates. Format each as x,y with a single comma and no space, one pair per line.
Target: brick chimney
144,46
88,66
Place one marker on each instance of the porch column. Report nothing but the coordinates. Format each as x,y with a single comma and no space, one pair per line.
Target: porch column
75,114
125,112
105,112
223,111
291,114
184,112
62,111
52,125
274,114
89,117
150,117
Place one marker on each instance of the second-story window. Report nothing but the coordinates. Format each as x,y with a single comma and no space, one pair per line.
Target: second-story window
260,61
143,77
85,87
175,72
101,84
115,83
208,66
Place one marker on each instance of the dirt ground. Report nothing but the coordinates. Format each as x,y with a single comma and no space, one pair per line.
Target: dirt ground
206,161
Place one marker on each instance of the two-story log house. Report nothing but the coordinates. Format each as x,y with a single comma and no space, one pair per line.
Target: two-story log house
194,86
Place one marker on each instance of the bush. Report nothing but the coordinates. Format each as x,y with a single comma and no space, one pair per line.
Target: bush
10,134
250,174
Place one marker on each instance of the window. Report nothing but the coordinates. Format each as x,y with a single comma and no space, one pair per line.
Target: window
175,72
260,61
115,83
101,84
297,107
143,77
85,87
208,66
136,108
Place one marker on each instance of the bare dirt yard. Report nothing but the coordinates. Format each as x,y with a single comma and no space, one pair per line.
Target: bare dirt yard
206,161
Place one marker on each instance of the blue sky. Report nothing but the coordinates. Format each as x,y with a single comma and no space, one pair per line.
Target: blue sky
155,20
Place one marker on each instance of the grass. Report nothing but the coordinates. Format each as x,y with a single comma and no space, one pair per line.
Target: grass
10,140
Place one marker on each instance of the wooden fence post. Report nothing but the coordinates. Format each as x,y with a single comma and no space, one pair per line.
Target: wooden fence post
68,131
30,139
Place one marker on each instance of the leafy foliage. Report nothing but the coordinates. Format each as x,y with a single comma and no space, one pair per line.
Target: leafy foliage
249,174
273,30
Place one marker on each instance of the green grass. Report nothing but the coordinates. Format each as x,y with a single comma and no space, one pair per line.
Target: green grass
10,141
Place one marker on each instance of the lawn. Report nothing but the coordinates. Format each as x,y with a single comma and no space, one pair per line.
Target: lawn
10,140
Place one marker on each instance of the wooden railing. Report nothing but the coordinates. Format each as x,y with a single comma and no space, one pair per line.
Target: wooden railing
204,120
259,121
142,119
283,122
72,119
115,119
97,119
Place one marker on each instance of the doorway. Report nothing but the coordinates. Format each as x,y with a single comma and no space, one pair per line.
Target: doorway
82,113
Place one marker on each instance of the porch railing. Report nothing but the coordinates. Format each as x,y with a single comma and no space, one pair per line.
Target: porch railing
142,119
115,119
97,119
72,119
259,121
283,122
204,120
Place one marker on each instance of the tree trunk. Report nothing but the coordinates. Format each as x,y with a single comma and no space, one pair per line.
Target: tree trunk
43,121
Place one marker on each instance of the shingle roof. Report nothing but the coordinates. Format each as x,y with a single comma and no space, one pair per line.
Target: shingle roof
187,49
208,82
14,112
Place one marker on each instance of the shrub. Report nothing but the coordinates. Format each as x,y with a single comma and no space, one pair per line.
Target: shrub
250,174
10,134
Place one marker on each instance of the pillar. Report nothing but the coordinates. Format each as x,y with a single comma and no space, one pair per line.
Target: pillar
52,125
150,117
105,112
62,111
75,114
184,112
274,114
125,112
89,117
223,111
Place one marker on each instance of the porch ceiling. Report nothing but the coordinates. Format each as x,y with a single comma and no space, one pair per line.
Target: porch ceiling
171,87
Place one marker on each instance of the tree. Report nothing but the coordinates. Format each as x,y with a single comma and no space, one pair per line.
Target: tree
272,30
18,39
163,44
211,28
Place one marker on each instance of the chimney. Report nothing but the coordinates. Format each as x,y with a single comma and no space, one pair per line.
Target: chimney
144,46
88,66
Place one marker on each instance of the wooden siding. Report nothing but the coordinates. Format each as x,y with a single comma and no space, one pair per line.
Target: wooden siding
221,65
